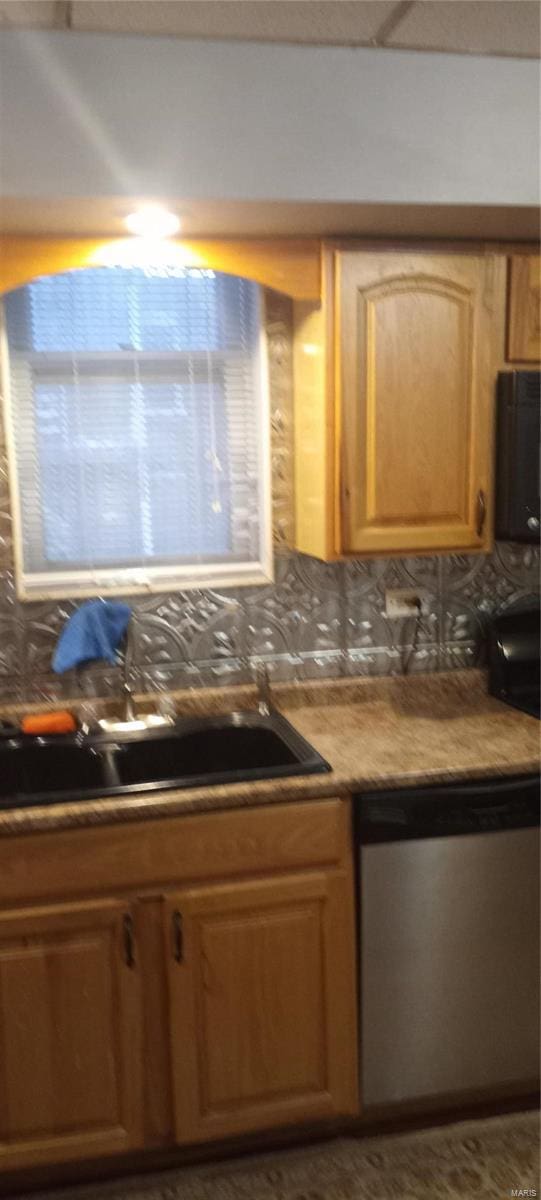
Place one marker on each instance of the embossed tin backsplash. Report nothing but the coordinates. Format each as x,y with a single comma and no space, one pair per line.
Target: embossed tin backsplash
316,620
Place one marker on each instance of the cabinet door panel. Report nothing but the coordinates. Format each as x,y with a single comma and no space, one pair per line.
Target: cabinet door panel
275,1053
524,313
418,349
419,337
69,1062
262,1005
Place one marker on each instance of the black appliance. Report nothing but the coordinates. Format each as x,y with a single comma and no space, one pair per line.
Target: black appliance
517,456
513,659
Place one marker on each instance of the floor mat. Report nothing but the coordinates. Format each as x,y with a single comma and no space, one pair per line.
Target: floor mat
490,1159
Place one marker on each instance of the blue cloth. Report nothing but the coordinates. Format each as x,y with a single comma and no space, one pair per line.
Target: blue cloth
94,631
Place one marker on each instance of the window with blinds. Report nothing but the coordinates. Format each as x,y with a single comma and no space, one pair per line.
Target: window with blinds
139,431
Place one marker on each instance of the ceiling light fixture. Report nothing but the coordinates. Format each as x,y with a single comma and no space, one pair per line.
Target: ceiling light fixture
152,221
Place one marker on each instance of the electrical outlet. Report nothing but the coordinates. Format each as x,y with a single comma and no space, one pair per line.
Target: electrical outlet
402,602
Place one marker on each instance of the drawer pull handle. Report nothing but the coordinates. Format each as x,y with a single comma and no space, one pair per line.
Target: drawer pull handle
481,512
178,940
129,941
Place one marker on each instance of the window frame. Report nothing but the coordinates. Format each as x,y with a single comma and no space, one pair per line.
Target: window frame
87,582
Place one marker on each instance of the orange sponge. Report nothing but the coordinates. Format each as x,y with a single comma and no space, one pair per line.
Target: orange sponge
49,722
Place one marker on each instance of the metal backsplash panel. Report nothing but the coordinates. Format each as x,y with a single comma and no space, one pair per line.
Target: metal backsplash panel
316,620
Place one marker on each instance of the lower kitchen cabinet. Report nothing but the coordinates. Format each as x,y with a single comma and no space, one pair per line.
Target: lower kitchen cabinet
261,1007
205,989
70,1022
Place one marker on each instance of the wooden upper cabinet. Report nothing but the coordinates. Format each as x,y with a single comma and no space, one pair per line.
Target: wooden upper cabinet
262,1004
395,377
524,309
70,1054
418,341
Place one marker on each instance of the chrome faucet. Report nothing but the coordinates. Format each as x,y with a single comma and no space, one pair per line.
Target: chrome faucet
261,679
131,720
129,703
129,713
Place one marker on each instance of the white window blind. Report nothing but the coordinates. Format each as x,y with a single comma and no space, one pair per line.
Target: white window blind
139,430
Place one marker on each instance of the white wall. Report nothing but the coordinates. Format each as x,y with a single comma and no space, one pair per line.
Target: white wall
91,114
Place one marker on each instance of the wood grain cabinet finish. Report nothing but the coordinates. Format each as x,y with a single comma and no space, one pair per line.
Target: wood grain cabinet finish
524,309
419,339
395,374
217,997
262,1004
70,1056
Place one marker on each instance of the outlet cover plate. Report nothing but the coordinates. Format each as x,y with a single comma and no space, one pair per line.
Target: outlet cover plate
404,602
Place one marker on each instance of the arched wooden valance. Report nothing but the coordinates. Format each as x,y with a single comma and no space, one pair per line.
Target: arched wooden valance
292,267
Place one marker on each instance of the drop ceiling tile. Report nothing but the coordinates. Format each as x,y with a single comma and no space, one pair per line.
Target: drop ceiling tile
33,14
353,22
471,26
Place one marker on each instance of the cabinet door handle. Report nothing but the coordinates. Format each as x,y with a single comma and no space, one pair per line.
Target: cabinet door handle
129,941
481,512
177,936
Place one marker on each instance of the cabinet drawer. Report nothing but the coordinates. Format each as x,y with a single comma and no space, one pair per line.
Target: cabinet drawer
175,849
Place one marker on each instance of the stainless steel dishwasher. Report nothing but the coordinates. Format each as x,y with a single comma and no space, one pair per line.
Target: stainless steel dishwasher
449,940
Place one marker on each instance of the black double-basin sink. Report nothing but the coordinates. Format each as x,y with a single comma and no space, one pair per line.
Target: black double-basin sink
233,748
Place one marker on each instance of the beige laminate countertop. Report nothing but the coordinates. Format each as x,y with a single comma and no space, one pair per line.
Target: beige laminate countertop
375,733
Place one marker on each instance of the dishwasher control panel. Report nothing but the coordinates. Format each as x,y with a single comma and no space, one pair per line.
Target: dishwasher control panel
445,811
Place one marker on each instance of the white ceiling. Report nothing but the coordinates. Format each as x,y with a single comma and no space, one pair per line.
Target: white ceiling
501,27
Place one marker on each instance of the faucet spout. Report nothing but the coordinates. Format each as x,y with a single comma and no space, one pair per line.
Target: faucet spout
262,682
131,720
129,703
